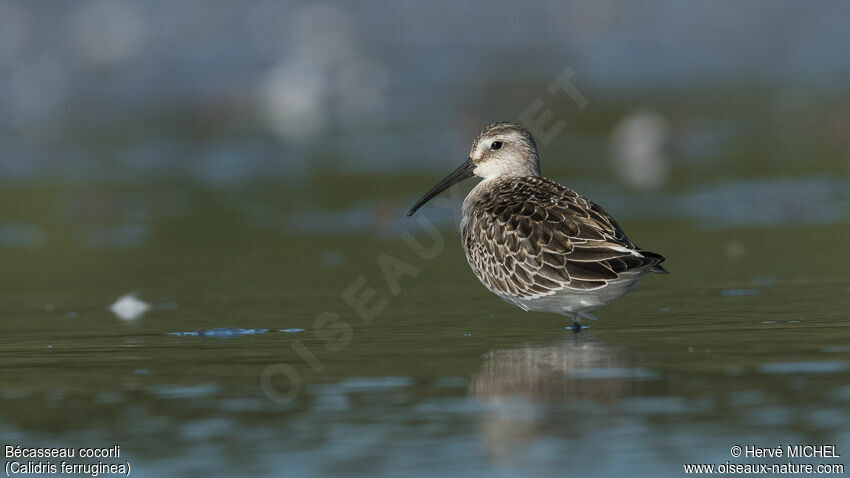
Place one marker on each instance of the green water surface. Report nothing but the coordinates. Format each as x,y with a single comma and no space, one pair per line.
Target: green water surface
746,342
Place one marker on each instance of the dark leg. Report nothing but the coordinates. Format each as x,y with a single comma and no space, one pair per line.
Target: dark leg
576,327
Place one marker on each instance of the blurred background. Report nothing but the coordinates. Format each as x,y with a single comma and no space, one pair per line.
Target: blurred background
237,165
289,93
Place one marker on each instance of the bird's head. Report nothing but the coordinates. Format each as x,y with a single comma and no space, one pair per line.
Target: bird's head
504,149
499,150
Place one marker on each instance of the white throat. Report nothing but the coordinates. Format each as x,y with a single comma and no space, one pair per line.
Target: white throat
512,167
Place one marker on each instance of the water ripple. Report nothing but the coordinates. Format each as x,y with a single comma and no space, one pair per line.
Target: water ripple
223,332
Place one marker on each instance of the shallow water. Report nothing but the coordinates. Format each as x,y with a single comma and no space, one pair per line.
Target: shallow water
250,359
239,178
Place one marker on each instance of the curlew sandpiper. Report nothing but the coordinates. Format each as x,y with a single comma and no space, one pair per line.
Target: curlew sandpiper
537,244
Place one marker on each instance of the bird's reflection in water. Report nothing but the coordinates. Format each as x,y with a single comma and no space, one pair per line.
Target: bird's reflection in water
536,391
580,368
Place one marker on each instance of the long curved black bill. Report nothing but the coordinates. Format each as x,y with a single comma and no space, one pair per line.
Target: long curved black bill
458,175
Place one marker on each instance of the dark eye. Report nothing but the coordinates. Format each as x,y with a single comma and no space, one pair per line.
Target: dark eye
496,145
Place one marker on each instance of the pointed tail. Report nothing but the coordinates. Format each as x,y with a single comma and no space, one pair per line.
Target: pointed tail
657,259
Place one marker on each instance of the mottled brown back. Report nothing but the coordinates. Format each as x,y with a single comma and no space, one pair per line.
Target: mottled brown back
528,236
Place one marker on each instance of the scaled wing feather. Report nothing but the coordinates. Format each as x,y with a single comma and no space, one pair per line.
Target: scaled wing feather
529,237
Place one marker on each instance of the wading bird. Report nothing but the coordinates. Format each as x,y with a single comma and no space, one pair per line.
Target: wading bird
537,244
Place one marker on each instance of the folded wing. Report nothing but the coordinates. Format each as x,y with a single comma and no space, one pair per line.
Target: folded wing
530,237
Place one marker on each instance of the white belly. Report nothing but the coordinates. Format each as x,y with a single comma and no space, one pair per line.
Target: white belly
570,302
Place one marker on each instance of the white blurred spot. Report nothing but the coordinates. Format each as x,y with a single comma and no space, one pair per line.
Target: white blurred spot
637,150
295,97
326,78
129,307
